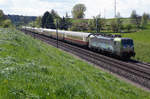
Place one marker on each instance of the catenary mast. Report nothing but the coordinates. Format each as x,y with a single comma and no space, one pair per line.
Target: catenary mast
115,8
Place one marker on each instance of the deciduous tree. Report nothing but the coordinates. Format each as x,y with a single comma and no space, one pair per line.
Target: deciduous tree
78,11
54,14
1,16
38,21
96,24
144,20
119,23
136,19
128,27
44,18
7,23
113,25
48,21
99,22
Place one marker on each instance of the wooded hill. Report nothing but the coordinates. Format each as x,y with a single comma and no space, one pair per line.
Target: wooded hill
21,20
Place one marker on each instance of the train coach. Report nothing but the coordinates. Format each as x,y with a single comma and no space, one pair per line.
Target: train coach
110,44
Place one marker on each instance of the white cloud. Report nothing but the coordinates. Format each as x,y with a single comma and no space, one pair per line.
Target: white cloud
37,7
125,7
3,2
94,7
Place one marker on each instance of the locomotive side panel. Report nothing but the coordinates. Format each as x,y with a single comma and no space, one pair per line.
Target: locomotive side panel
101,44
117,46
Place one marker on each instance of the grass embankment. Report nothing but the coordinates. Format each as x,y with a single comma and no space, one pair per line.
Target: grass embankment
32,69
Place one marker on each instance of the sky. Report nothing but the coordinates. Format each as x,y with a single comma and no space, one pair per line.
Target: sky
94,7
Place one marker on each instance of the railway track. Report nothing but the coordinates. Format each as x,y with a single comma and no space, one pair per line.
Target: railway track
135,71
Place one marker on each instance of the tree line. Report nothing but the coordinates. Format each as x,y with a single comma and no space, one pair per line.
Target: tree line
52,20
19,20
97,24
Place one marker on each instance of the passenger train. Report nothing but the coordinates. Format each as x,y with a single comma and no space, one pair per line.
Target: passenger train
111,44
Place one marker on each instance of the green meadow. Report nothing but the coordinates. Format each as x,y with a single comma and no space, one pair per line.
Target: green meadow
31,69
142,44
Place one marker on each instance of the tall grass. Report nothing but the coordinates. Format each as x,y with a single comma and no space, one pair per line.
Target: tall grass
32,69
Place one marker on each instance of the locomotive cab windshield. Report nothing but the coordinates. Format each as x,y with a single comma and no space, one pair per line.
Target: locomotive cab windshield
127,42
127,47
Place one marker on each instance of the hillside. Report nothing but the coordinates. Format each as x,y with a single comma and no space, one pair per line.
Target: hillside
32,69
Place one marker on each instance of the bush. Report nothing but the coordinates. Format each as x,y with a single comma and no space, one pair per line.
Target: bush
7,23
128,27
79,27
114,26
